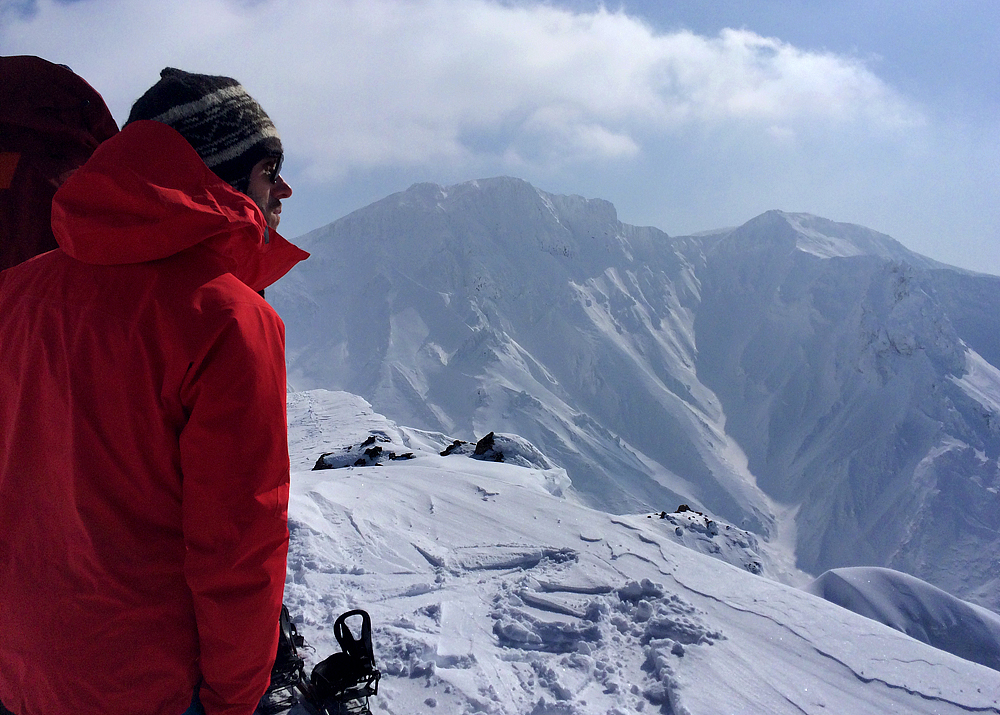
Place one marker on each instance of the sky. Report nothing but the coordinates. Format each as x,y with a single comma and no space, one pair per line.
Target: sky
687,115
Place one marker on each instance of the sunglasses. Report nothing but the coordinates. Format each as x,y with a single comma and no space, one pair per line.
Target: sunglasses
274,171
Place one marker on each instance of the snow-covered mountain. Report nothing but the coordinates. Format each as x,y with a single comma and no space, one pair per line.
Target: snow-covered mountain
492,591
814,383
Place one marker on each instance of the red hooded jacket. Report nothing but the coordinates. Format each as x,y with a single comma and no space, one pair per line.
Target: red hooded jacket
143,443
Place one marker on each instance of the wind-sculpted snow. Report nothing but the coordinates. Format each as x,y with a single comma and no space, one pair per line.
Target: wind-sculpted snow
812,382
489,594
916,608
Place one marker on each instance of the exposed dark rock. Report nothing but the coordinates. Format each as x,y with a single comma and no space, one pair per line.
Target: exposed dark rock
484,445
452,447
486,449
321,462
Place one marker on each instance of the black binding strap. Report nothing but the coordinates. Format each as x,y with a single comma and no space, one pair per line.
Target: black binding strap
343,682
359,648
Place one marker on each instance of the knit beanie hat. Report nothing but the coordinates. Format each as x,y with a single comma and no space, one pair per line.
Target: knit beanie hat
223,123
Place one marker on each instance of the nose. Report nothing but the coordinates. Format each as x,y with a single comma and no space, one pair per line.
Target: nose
281,188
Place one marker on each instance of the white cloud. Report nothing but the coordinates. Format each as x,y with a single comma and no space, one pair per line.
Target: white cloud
369,83
679,130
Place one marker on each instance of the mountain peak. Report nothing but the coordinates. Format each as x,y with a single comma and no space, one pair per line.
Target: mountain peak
509,189
824,238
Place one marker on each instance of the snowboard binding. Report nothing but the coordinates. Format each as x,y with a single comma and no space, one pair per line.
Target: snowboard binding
339,685
342,684
288,671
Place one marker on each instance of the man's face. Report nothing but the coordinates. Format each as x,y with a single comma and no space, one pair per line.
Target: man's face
268,194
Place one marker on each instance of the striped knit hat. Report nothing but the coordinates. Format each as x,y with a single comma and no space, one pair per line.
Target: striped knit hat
223,123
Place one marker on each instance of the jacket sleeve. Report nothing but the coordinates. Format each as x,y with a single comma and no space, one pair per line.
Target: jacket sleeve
234,461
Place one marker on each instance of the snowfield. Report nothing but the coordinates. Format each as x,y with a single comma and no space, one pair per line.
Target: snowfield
493,589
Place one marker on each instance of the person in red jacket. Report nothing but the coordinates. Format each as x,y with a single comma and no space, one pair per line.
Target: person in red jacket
51,121
143,440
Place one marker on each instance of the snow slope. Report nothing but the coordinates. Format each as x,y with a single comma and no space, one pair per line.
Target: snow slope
494,590
917,609
812,382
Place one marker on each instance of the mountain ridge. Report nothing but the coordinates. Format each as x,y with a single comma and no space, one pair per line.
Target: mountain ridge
790,362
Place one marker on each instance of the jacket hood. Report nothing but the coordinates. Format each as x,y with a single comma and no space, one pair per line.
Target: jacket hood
146,195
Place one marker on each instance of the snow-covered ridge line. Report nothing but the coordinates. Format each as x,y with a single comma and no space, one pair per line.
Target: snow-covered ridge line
490,594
